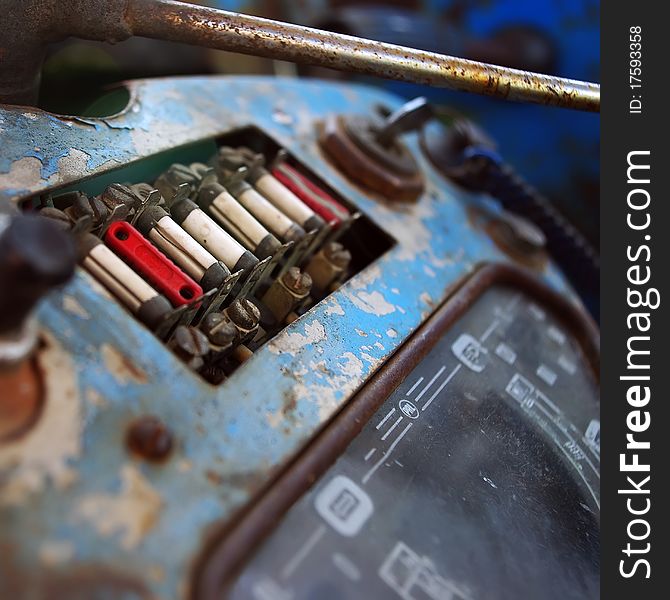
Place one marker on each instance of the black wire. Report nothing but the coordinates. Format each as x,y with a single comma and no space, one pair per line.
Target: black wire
564,241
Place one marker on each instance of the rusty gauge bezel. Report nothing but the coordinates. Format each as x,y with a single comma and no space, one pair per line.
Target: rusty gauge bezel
230,547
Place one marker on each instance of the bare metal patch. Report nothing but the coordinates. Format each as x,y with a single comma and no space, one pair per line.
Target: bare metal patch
44,453
53,553
120,366
95,398
334,308
292,343
373,303
24,173
71,305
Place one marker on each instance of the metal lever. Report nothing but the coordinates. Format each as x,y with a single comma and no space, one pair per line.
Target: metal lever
410,116
115,20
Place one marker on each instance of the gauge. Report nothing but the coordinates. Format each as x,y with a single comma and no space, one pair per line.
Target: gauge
477,476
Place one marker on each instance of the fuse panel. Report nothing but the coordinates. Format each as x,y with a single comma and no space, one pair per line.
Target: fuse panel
216,257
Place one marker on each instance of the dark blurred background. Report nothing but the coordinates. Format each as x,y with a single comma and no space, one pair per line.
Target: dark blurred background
555,149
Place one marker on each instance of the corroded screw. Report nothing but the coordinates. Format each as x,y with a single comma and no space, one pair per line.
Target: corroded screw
298,282
141,192
142,189
178,174
150,438
219,329
244,313
234,158
57,216
519,233
191,345
118,195
83,206
337,254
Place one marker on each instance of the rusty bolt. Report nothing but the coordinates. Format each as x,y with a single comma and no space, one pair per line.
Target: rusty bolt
149,438
244,313
118,195
93,208
337,254
57,216
142,189
234,158
191,345
297,282
219,329
178,174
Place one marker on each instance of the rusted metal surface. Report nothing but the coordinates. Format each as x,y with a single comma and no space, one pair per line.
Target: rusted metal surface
21,399
150,438
34,23
382,179
286,292
502,234
70,483
227,551
166,19
328,266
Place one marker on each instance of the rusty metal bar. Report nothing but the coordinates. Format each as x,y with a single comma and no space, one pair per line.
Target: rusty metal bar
224,30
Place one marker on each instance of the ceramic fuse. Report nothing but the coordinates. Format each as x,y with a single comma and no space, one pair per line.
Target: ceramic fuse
227,211
151,264
270,216
217,241
311,194
272,189
126,285
198,262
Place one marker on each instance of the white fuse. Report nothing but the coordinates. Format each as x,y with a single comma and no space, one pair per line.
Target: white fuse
174,241
239,222
286,201
126,285
270,216
210,235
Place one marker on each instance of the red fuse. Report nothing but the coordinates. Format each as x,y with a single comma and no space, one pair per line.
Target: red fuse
155,267
322,203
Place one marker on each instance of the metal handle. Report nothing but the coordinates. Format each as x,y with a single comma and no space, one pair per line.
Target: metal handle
31,24
191,24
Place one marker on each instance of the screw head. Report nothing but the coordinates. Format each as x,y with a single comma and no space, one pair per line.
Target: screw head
178,174
298,282
337,254
150,438
244,313
191,345
219,329
525,234
118,194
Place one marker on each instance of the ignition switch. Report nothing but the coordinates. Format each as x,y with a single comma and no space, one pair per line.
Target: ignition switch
369,150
